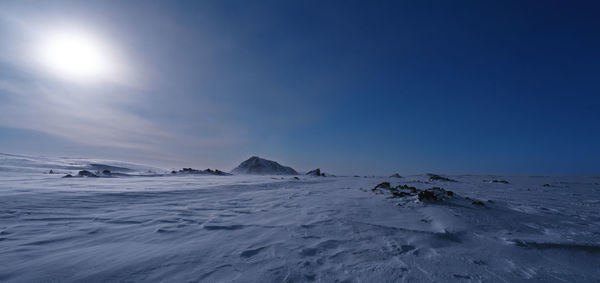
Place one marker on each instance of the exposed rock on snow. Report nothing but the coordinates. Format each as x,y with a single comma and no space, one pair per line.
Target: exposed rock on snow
201,172
431,194
499,181
382,185
435,194
316,172
407,187
434,177
259,166
396,176
86,173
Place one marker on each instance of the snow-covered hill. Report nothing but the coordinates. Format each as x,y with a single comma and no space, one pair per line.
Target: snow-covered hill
69,165
259,166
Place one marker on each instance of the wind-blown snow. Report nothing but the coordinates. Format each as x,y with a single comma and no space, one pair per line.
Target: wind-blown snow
271,229
30,164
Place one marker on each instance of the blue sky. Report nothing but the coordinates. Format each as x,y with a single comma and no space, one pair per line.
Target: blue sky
507,87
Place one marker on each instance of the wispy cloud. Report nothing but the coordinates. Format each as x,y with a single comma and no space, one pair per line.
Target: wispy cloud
97,114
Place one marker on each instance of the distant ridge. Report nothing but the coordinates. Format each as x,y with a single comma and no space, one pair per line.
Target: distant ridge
260,166
63,165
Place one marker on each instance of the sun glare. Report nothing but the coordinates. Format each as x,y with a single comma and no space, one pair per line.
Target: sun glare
74,55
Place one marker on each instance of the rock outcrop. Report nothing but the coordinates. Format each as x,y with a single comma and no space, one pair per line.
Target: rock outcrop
434,177
316,172
201,172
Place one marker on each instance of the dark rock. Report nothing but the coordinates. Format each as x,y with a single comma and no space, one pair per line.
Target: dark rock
106,172
383,185
382,188
316,172
546,185
396,176
478,203
86,173
500,181
434,193
51,172
426,195
402,194
296,178
68,176
201,172
406,187
431,194
434,177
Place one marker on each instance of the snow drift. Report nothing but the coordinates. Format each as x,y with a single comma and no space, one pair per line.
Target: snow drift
254,228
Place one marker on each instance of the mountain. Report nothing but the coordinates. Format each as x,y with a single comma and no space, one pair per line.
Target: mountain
260,166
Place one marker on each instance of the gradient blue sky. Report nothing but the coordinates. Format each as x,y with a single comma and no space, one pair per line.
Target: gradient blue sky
368,87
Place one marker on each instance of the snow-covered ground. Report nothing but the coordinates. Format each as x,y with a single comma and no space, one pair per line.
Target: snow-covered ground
189,228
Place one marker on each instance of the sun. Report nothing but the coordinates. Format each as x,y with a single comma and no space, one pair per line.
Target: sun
75,54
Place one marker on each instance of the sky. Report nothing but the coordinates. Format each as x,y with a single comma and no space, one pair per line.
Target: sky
351,87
